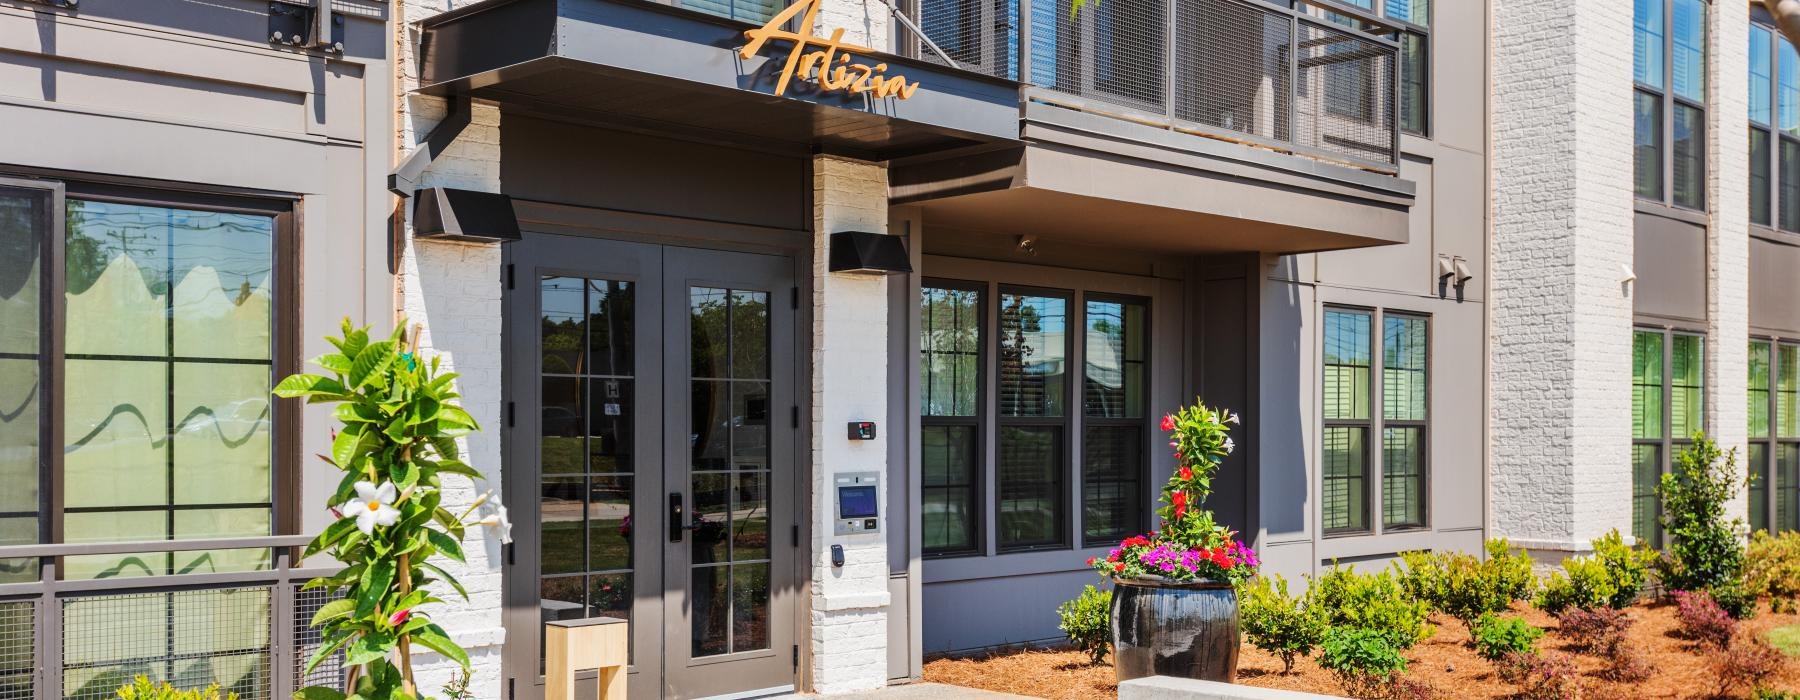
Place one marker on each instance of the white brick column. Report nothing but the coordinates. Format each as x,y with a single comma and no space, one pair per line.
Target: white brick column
1728,238
453,291
848,642
1560,325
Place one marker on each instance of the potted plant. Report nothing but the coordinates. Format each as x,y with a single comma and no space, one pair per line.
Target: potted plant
1174,604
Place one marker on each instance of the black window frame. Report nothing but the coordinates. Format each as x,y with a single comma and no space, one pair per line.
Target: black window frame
1142,422
1374,445
1772,133
1765,476
1668,444
1668,102
1066,423
976,422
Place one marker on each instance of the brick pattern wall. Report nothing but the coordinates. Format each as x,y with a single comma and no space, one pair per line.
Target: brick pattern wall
1728,239
847,648
1560,329
453,291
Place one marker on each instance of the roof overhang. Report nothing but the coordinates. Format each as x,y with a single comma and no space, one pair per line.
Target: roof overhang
1092,179
647,65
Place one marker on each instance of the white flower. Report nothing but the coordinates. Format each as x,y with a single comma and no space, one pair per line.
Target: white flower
372,506
1229,445
499,523
1232,419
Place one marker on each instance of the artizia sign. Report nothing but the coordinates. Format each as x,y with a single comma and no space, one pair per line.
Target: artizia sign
828,63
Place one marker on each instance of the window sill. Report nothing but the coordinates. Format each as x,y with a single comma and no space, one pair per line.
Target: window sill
1698,217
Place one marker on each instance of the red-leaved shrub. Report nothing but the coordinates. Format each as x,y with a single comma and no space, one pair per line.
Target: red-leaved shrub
1703,620
1745,664
1599,631
1542,676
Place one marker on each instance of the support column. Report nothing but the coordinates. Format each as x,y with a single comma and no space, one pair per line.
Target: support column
1560,325
848,641
453,291
1728,236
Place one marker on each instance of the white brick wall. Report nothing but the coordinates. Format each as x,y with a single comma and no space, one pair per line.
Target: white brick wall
865,22
1560,329
848,644
453,290
1728,239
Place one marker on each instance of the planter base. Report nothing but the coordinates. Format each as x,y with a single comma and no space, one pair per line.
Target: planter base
1184,630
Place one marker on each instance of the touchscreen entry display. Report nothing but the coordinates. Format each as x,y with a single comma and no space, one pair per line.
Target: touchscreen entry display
856,502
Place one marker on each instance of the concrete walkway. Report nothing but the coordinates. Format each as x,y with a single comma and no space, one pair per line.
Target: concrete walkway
917,691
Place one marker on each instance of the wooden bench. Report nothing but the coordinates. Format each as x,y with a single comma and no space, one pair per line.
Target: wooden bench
571,646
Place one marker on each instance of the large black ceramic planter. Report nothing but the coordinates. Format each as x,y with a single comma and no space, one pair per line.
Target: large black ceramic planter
1185,630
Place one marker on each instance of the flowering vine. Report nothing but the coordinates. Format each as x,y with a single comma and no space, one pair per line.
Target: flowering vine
1188,546
399,419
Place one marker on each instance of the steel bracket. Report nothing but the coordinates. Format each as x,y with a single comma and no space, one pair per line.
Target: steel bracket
308,25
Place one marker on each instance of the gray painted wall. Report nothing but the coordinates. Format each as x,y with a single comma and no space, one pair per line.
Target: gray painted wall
192,94
1448,219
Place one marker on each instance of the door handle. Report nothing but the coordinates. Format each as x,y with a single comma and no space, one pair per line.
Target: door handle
676,524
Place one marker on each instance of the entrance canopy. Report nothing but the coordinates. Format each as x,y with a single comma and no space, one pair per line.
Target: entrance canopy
639,64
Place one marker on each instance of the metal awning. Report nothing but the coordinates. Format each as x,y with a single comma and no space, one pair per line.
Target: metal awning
638,64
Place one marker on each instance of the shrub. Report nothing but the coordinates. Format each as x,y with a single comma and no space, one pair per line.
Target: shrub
1747,663
1704,548
1088,621
1364,660
1372,602
1734,599
1582,584
1772,567
1703,620
1279,623
1466,587
1773,694
1495,636
1599,631
1626,567
142,689
1542,676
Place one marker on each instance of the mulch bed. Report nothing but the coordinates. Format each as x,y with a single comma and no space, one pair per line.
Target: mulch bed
1682,668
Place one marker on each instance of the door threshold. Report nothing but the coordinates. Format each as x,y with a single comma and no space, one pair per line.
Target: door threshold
761,693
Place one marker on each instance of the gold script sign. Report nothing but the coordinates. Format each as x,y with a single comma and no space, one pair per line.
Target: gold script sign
829,64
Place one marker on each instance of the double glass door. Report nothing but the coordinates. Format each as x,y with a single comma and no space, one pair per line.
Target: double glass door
650,459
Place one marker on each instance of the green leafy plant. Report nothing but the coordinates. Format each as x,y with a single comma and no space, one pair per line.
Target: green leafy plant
1088,621
1374,602
1705,548
1734,599
1279,623
1364,660
142,688
399,421
1772,568
1467,587
1496,636
1627,567
1611,577
458,687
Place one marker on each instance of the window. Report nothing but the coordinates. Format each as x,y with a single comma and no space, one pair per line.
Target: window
1774,130
1009,433
1365,450
1774,417
1667,402
1669,66
950,398
1030,507
1114,362
1415,62
167,340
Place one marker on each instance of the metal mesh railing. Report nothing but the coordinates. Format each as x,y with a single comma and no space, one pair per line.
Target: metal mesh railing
1345,102
190,638
1247,70
330,672
1234,67
979,35
18,650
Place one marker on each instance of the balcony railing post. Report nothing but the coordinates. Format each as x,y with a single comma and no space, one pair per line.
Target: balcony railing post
1293,82
1394,104
1169,58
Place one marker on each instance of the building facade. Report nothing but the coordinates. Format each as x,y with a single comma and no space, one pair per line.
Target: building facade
815,339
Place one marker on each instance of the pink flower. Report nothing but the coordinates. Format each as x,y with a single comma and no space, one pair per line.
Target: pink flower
1168,423
1186,473
399,617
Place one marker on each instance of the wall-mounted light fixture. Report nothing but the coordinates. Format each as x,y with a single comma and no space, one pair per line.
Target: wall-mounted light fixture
868,252
464,215
1027,244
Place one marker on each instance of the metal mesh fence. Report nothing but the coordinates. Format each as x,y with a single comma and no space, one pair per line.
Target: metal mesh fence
1345,102
979,35
1232,67
1114,51
191,638
330,672
18,650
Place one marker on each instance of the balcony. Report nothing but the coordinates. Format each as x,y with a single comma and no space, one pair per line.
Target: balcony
1315,78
